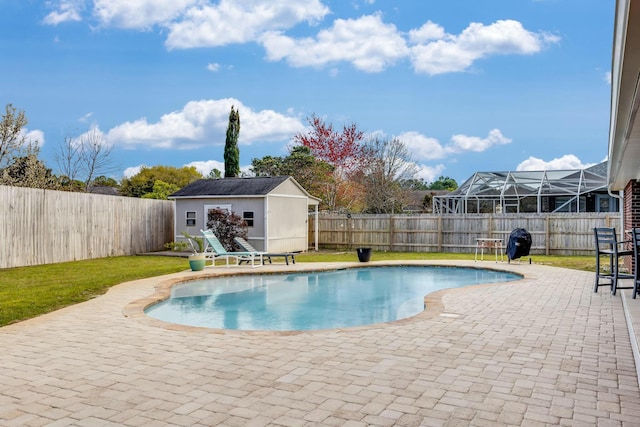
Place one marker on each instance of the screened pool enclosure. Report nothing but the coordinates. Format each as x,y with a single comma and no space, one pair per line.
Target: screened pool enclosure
577,190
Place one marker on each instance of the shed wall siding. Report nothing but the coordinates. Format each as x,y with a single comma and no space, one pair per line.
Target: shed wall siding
280,218
287,223
238,206
287,188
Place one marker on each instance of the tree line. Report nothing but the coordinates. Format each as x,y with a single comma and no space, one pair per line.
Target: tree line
350,172
346,170
83,161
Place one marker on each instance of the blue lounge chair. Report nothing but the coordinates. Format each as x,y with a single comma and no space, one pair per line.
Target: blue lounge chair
220,252
248,247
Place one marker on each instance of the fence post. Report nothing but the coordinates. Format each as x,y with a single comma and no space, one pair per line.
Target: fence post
547,240
440,233
490,227
349,233
392,226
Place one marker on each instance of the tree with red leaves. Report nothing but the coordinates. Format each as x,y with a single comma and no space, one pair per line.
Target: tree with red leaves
342,150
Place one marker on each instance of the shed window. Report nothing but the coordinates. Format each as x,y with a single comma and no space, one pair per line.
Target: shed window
248,218
191,219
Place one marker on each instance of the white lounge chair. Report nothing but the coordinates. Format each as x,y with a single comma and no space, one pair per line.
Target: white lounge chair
248,247
220,252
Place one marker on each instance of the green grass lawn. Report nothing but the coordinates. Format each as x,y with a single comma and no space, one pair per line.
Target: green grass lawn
27,292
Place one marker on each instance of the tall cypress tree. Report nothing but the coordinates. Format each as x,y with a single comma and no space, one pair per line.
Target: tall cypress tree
231,150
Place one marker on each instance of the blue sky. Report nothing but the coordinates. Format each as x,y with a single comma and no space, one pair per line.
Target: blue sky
467,85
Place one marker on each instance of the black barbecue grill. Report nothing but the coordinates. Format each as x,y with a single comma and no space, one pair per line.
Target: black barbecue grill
519,244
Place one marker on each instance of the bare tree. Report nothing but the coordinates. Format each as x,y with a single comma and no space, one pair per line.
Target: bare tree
95,155
81,159
388,164
69,158
13,141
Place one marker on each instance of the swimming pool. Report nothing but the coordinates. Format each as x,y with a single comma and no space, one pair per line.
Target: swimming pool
314,300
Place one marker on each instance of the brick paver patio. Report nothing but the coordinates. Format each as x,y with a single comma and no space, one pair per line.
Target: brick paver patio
542,351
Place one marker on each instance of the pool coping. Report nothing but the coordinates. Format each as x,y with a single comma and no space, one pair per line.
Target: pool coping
434,305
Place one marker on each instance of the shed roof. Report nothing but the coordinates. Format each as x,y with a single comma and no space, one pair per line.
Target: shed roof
248,186
251,186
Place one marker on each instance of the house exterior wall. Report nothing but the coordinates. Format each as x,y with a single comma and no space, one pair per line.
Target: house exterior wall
631,214
287,223
632,205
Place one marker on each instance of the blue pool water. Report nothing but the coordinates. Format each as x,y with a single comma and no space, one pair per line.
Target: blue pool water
313,300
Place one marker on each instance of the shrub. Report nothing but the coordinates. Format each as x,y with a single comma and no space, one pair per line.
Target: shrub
177,246
226,225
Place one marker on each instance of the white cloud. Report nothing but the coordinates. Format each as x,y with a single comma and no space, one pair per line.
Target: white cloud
213,67
607,77
94,136
461,143
372,45
194,23
35,137
429,173
204,123
139,14
422,147
65,11
454,53
86,117
233,21
367,43
204,167
133,170
429,31
566,162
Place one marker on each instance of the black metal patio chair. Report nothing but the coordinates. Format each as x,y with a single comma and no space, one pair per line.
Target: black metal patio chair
607,245
635,238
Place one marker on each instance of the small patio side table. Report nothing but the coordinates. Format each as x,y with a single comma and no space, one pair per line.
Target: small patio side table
483,243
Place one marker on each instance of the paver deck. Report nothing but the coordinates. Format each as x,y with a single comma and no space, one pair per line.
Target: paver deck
542,351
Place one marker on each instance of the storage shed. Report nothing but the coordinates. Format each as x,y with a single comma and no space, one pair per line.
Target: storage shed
276,209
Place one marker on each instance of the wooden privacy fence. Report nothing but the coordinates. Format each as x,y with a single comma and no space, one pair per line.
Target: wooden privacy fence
552,234
44,226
